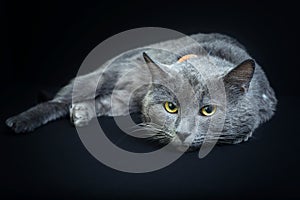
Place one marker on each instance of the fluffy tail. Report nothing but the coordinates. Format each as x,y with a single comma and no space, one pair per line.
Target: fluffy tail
37,116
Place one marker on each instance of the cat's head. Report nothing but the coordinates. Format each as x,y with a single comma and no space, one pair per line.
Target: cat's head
179,106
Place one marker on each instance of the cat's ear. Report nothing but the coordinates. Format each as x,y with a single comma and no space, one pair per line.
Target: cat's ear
158,71
238,79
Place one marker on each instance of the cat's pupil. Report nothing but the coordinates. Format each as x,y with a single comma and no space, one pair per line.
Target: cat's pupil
172,106
209,109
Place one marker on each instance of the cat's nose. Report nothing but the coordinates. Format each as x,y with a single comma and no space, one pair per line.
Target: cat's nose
183,136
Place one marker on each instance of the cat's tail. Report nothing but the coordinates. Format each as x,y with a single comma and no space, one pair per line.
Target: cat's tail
36,116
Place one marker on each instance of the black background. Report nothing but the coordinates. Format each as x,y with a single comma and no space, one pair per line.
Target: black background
42,47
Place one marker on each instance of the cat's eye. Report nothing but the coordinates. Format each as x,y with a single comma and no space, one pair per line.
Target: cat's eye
208,110
170,107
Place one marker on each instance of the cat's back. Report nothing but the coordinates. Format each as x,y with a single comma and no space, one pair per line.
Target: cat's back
168,52
131,63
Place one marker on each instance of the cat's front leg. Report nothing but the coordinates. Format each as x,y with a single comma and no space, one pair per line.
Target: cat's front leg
81,113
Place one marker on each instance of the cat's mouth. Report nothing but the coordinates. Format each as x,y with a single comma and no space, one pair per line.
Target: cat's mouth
187,144
177,140
180,144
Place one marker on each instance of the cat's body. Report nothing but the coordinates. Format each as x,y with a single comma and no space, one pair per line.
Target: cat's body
250,99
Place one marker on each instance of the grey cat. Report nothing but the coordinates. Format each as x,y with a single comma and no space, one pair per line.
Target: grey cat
175,101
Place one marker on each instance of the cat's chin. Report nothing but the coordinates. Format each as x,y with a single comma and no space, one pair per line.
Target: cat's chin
182,148
186,149
185,146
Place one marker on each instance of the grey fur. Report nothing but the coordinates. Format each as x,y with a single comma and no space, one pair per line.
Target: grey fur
250,99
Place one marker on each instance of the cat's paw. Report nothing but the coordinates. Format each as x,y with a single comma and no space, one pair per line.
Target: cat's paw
19,124
243,139
247,137
80,115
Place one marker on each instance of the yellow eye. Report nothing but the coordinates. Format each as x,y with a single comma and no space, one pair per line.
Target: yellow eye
208,110
170,107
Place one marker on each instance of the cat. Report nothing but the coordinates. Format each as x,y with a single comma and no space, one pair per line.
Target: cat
176,103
